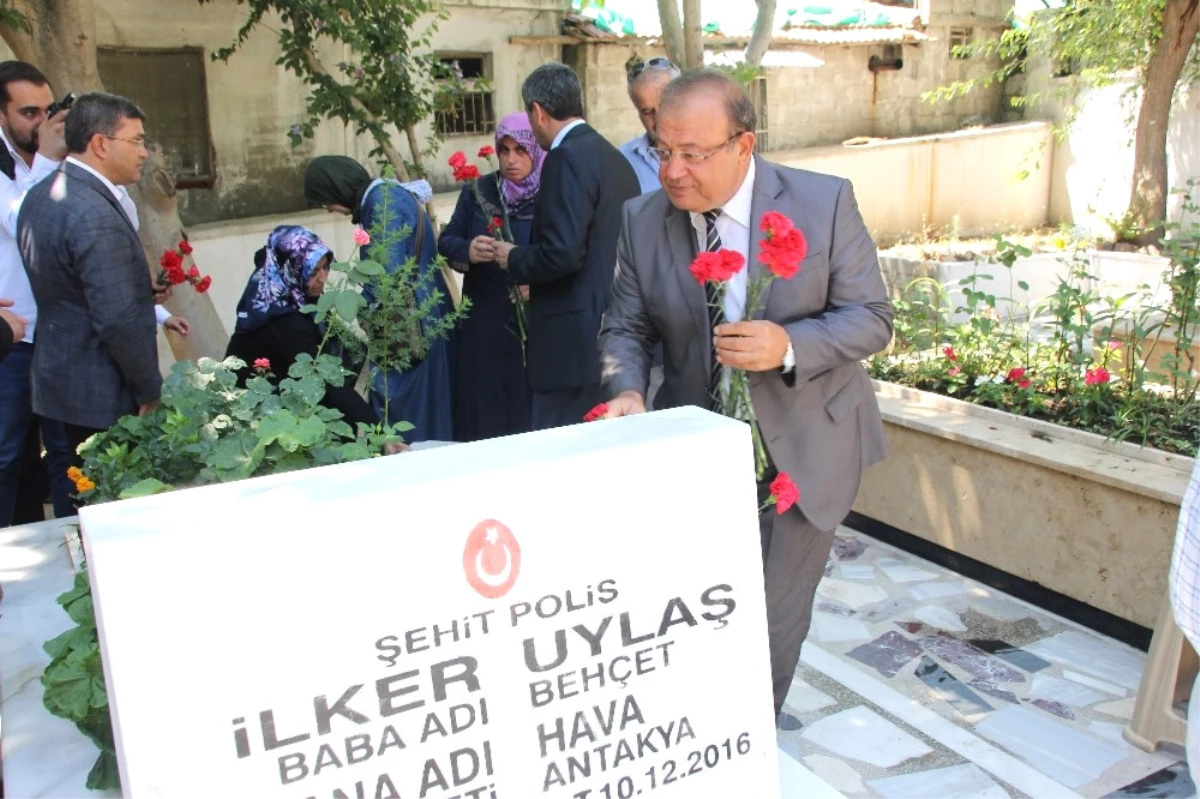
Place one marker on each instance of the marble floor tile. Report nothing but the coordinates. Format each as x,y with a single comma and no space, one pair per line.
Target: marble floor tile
993,690
1069,756
1057,689
899,571
1169,783
946,686
927,591
838,774
1120,709
803,698
1019,631
999,608
887,654
857,571
1107,660
940,618
853,595
862,734
847,547
1014,655
1092,682
887,610
788,723
1054,708
966,781
971,660
1110,731
834,608
830,629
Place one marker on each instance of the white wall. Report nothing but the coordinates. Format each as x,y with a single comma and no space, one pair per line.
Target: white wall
1093,164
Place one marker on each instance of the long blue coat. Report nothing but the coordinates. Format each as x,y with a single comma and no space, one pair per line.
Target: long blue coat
420,394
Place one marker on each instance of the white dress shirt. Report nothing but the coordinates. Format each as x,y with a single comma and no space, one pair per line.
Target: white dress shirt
734,226
567,128
14,283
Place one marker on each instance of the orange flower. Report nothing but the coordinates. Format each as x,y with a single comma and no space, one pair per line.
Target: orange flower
74,474
83,484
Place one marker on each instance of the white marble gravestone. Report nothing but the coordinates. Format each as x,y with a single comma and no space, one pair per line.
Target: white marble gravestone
571,613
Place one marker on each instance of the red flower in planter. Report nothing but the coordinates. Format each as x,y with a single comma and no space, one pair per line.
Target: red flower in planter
262,364
949,353
954,370
1017,375
1097,377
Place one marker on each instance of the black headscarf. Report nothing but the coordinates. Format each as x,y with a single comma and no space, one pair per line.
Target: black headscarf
336,180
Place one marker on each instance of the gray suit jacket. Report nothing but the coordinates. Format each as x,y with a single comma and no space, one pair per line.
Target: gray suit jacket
821,424
95,358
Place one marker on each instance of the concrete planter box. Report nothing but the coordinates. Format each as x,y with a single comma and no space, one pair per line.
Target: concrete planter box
1086,517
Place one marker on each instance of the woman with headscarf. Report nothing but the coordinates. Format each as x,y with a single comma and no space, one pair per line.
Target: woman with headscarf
491,385
289,273
420,394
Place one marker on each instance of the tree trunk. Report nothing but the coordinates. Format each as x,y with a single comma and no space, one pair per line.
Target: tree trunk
672,30
63,46
1148,199
693,42
764,26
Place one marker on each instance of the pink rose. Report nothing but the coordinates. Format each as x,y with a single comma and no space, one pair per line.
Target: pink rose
361,237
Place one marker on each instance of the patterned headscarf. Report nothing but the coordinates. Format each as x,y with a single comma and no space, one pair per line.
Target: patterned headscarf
518,128
279,284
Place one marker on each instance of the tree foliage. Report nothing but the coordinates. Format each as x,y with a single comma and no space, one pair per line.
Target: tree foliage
391,81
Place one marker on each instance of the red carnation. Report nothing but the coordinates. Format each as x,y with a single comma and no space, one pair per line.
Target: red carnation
204,283
185,248
774,224
468,172
717,266
599,412
194,272
784,493
486,151
782,252
495,226
170,260
1097,377
458,160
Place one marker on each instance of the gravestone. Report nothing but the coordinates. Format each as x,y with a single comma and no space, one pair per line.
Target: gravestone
569,613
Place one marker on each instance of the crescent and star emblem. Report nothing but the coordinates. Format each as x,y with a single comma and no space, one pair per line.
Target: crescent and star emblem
480,559
498,578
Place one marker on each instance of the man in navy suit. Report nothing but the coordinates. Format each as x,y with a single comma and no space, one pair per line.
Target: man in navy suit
569,261
96,358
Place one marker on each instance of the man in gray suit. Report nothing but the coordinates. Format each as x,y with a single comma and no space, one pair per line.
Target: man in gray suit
812,397
96,358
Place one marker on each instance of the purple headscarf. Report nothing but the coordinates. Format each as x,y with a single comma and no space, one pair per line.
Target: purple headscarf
517,127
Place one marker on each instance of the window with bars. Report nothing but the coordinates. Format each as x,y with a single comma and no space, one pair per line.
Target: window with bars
471,112
169,86
960,37
758,99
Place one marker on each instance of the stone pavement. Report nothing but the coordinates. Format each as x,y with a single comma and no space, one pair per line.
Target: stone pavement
916,682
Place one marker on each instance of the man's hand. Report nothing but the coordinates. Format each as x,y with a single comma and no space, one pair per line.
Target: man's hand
52,141
179,324
17,323
520,291
480,251
756,346
162,293
627,403
500,251
147,408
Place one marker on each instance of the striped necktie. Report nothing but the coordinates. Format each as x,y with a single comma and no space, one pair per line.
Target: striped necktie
716,313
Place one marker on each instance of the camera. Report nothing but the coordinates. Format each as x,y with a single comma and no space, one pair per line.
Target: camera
60,105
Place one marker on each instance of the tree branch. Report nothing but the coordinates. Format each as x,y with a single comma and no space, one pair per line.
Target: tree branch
672,30
764,25
693,43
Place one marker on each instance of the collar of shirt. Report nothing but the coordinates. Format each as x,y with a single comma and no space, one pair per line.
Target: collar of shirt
734,226
562,134
116,192
41,167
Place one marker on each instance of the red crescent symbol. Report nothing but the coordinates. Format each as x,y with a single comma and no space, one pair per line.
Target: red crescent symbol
492,559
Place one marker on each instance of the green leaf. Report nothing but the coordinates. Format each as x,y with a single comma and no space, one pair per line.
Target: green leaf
145,488
105,775
347,304
74,638
236,457
370,268
276,426
311,388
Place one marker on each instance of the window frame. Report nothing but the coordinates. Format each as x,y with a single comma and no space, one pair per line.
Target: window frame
185,181
486,69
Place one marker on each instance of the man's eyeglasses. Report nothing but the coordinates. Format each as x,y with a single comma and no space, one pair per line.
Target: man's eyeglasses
637,68
693,159
142,143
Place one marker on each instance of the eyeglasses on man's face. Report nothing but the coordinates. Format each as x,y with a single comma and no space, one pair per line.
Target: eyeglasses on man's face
690,158
140,143
658,62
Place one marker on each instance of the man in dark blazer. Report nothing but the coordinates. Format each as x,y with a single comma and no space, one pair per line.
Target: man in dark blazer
96,358
569,262
811,396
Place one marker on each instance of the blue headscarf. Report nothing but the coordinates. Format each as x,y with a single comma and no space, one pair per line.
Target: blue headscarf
279,284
